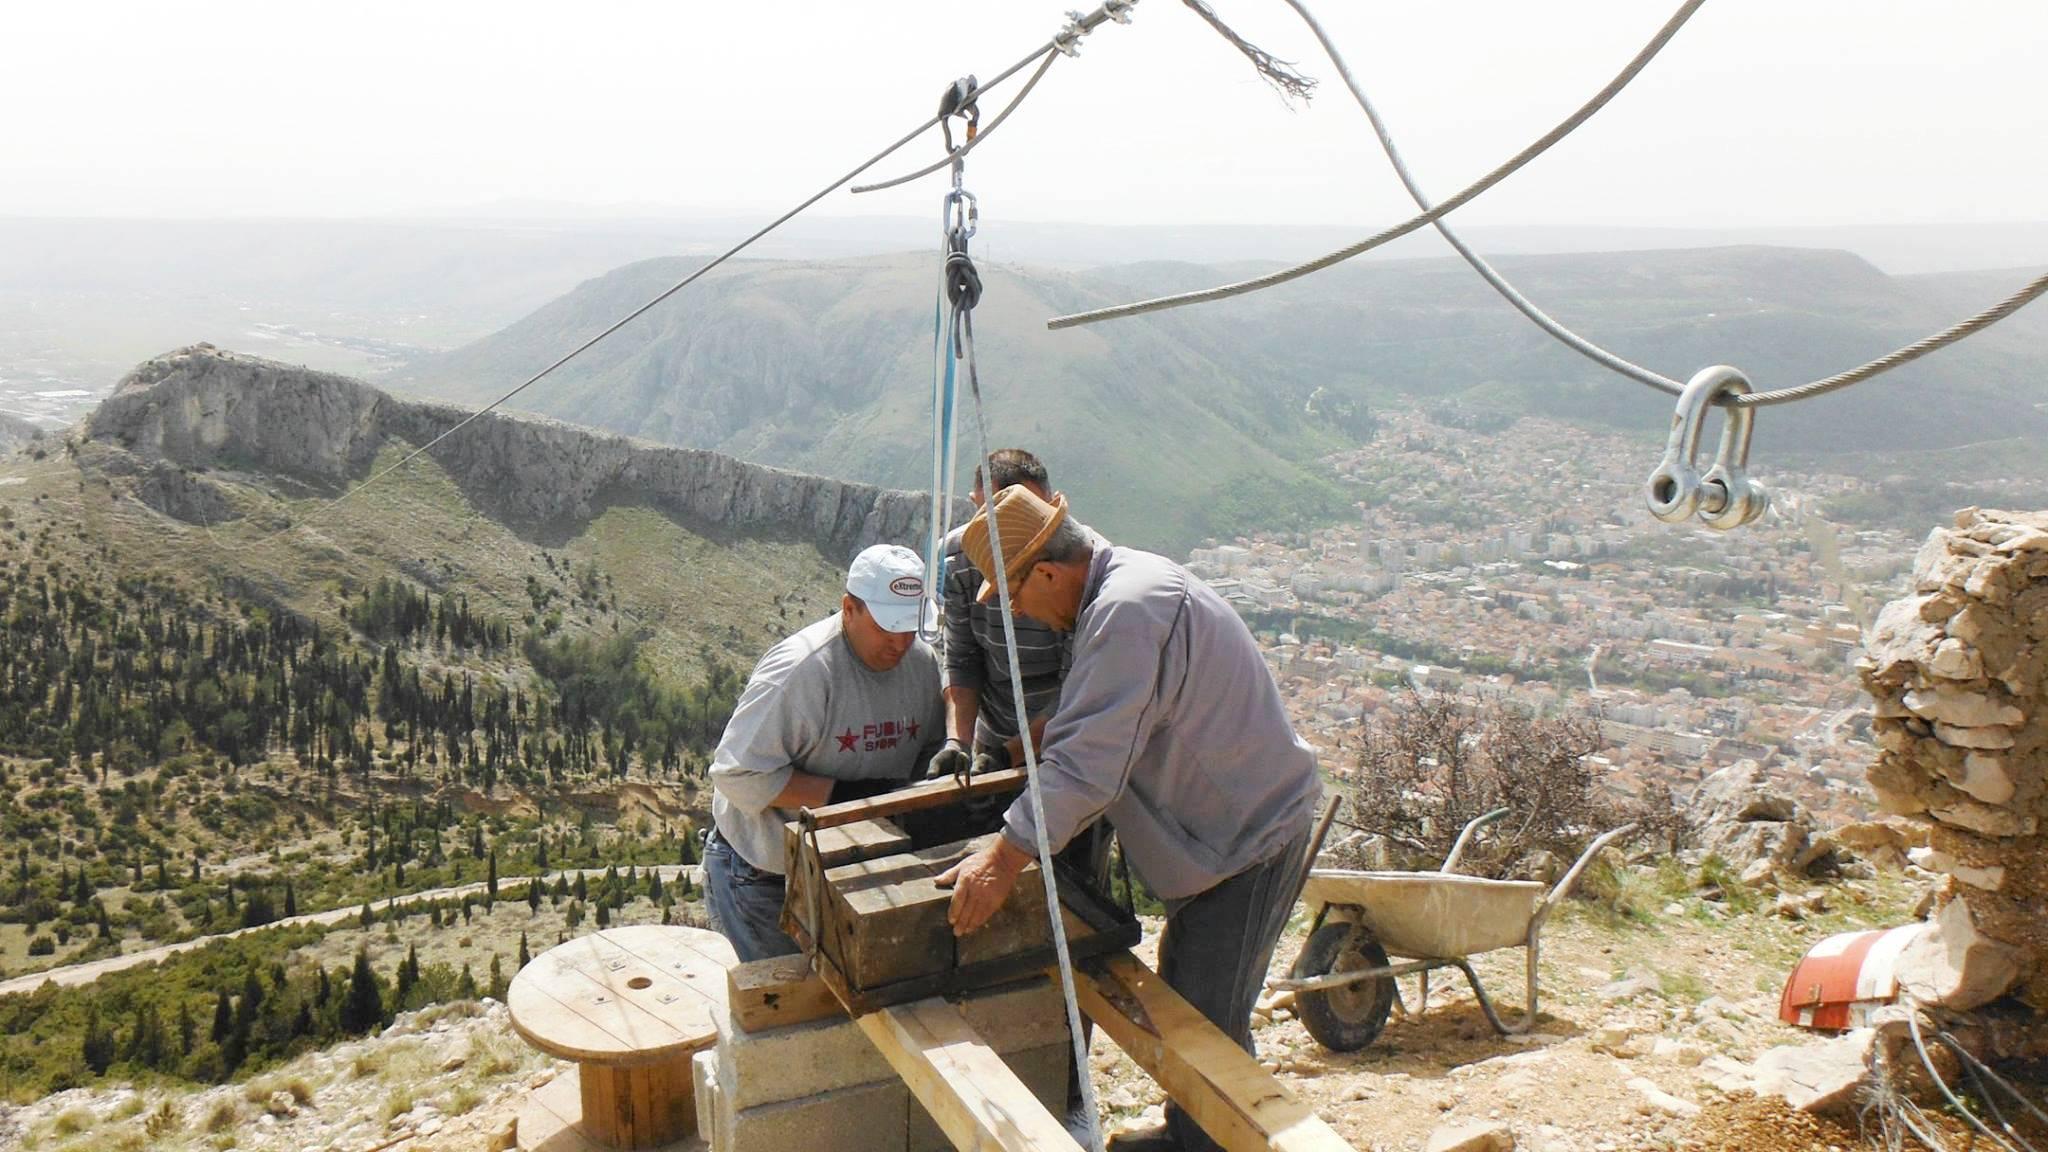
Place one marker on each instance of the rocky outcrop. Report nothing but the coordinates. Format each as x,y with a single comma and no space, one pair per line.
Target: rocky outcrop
15,433
1957,672
203,408
1760,831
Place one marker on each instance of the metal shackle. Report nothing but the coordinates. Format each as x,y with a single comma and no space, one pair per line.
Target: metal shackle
1725,497
1728,497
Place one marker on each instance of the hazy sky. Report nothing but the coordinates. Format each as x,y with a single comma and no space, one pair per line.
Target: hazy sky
1761,112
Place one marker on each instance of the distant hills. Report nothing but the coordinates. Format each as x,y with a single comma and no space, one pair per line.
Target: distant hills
1177,425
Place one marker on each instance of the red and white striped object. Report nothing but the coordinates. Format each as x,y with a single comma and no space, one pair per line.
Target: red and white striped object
1843,979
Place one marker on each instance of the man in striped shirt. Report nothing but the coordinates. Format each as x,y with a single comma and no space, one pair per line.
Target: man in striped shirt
981,710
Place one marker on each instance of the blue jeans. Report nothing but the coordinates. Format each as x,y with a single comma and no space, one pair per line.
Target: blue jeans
744,902
1215,951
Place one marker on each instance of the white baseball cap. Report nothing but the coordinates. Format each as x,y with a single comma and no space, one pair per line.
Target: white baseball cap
889,579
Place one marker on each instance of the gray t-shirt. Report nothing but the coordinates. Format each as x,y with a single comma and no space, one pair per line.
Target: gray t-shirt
813,705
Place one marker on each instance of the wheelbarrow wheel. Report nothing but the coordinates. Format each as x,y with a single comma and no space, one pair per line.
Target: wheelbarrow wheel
1348,1018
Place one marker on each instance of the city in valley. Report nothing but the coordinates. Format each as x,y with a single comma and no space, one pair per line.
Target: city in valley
1520,562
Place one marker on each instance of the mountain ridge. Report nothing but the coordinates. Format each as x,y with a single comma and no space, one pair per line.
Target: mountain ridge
200,407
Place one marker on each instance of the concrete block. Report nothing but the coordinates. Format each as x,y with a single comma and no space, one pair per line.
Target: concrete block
778,1064
863,1118
1016,1017
1042,1069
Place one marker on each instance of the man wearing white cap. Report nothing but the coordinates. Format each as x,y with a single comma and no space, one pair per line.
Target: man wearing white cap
850,707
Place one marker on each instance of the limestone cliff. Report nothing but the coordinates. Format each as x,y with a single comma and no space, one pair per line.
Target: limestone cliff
201,407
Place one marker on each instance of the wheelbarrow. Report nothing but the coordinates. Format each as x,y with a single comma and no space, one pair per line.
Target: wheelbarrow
1343,980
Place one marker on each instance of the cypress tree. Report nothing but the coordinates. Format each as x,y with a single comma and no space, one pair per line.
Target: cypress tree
223,1017
363,1007
525,956
533,894
491,880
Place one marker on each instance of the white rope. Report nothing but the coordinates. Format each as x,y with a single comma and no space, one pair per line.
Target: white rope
1001,577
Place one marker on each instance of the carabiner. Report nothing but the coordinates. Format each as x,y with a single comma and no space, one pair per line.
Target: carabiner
963,212
1725,497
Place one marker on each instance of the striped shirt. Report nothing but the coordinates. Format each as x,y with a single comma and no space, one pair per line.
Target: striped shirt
975,656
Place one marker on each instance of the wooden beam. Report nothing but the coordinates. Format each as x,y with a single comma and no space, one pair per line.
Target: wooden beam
919,797
1239,1104
778,992
977,1101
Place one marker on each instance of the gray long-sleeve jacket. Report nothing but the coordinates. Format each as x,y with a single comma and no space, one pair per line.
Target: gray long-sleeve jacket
1170,725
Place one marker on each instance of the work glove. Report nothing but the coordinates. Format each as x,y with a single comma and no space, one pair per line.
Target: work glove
956,761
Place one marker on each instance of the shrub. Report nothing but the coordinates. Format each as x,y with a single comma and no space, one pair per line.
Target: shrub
223,1118
1430,764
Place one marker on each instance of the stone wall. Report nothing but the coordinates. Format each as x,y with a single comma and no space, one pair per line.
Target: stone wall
202,407
1957,671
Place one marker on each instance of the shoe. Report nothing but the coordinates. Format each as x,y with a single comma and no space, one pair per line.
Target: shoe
1151,1138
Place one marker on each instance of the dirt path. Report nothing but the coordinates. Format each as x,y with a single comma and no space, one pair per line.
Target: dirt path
72,975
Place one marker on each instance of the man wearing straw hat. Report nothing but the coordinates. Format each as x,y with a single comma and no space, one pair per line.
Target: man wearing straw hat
1171,728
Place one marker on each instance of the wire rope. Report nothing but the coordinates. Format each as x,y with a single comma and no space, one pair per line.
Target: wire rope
961,152
1608,359
1078,25
1429,216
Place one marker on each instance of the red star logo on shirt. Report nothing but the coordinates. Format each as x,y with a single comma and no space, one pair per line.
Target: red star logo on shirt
910,726
847,739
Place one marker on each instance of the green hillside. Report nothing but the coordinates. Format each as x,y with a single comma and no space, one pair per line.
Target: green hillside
1172,426
826,367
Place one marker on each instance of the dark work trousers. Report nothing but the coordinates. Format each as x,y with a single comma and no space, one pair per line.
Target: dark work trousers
744,902
1216,949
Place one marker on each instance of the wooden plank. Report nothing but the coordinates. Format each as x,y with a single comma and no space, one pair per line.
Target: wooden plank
978,1102
844,844
886,921
778,992
1239,1104
919,797
860,840
886,917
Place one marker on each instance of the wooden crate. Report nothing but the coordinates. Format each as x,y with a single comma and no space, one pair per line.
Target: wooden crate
872,918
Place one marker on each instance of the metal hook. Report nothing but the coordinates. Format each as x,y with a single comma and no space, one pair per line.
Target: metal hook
1725,497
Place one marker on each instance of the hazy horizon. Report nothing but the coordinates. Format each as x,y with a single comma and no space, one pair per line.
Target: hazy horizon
1826,113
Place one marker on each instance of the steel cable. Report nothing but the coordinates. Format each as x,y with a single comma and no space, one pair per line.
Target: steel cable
961,152
1429,216
1077,27
1616,363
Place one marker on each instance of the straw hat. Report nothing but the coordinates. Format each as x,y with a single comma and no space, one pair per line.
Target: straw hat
1026,523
